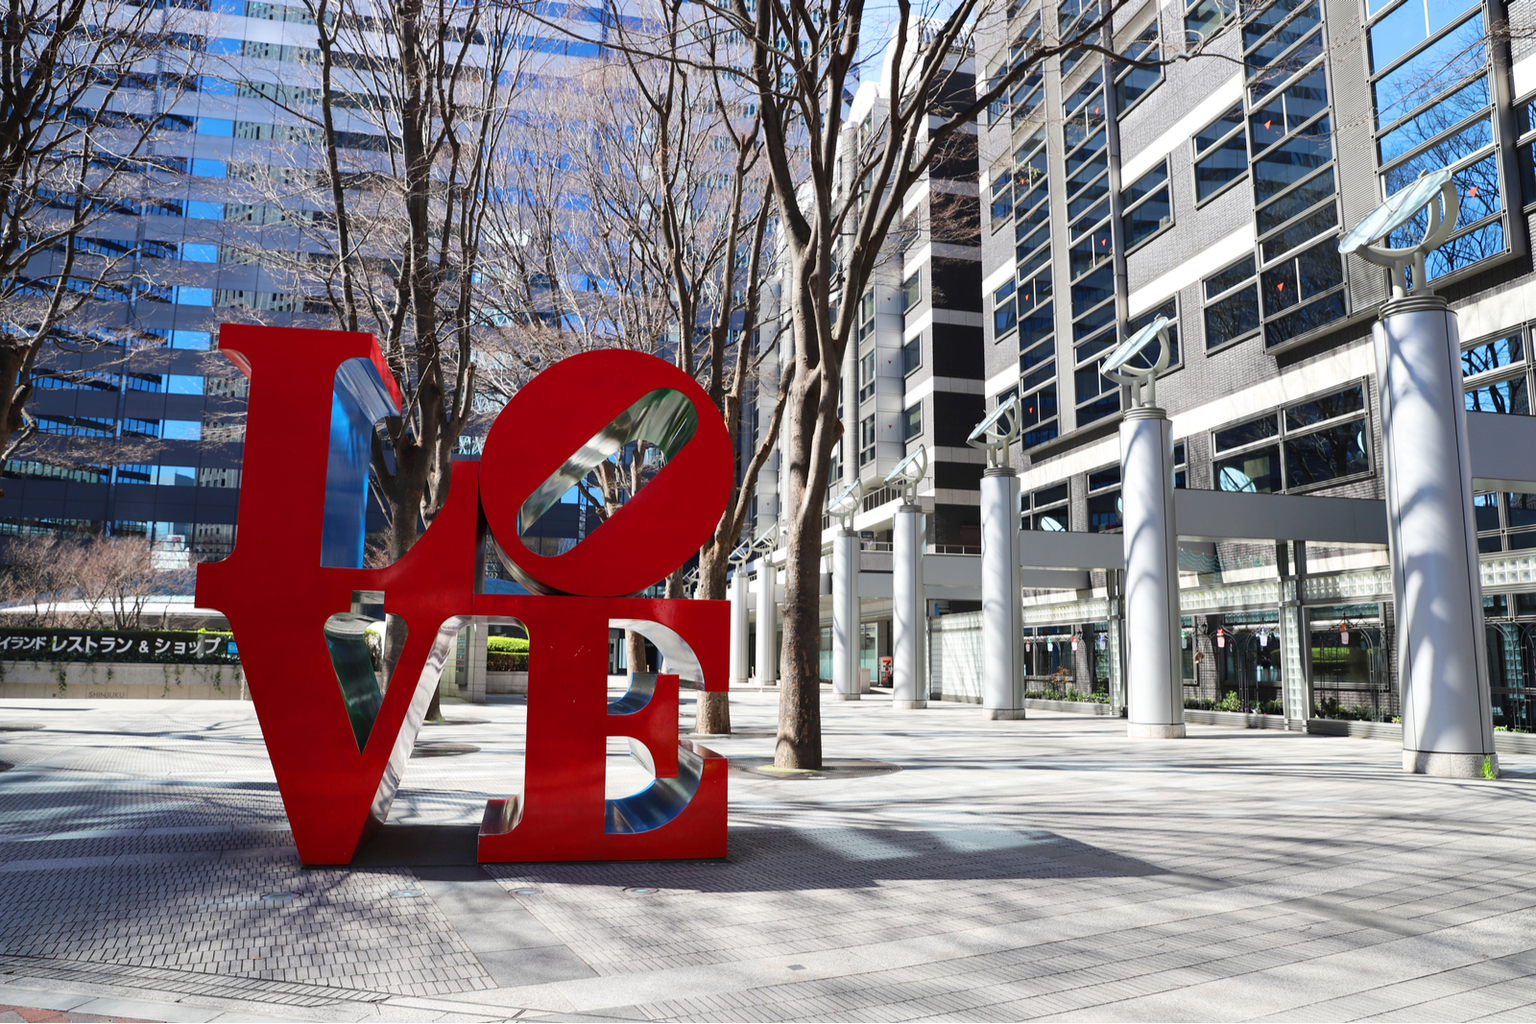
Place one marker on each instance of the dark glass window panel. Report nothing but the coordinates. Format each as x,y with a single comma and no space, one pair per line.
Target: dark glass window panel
1042,259
1291,161
1104,478
1104,512
1090,194
1229,278
1070,59
1107,405
1495,605
1306,98
1307,318
1465,249
1525,604
1246,433
1146,183
1029,145
1328,407
1487,544
1148,219
1089,91
1267,126
1256,471
1100,318
1085,175
1490,355
1004,318
1262,23
1037,354
1486,509
1089,383
1082,258
1446,152
1506,396
1033,242
1039,435
1050,495
1304,196
1521,542
1089,349
1093,289
1149,354
1278,288
1522,510
1477,187
1222,165
1038,376
1441,117
1087,221
1035,290
1324,220
1284,39
1319,269
1084,153
1326,454
1036,326
1206,17
1030,220
1135,84
1219,129
1232,317
1458,54
912,422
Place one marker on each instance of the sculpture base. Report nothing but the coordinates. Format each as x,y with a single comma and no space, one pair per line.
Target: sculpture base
845,696
1142,731
1004,714
1449,766
909,705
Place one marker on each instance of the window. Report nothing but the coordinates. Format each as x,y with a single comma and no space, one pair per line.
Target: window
1005,314
1322,440
1202,18
198,252
1181,465
1433,109
911,356
866,441
1104,507
1231,304
1221,153
867,315
1148,209
1496,375
1048,510
866,376
1132,82
912,422
1505,522
911,291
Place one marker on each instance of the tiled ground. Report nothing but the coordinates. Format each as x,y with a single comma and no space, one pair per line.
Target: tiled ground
1011,870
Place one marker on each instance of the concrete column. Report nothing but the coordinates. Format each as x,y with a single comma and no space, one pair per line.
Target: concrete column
1295,639
739,627
909,661
1002,608
1447,719
475,637
845,615
767,605
1154,690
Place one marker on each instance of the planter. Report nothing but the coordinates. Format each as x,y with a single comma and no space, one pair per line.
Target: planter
506,682
1072,707
1234,719
39,680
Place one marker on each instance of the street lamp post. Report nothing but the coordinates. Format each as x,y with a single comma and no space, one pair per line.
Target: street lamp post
1447,713
1002,608
909,599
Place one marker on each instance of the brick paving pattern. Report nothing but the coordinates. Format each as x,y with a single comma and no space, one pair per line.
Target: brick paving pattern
1044,869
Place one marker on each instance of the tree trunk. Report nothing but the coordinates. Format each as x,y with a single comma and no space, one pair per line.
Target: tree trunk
634,651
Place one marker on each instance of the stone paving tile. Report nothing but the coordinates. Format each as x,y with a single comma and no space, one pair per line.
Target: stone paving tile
1044,868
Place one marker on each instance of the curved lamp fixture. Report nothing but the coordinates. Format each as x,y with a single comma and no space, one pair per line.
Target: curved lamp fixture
909,472
1141,380
997,432
1400,208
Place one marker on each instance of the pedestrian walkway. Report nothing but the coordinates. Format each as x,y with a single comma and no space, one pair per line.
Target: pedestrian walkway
944,867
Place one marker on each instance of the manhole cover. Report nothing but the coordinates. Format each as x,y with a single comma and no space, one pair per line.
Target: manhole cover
640,890
831,768
6,766
407,893
525,892
19,726
443,749
279,897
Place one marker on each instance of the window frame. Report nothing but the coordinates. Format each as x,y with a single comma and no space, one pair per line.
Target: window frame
1220,143
1284,436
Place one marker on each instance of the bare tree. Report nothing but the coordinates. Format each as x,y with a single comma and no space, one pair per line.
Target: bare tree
85,86
833,220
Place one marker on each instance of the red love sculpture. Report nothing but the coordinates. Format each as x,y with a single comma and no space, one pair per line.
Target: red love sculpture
338,742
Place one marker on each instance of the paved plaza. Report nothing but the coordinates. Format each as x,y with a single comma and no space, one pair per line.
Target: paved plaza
946,867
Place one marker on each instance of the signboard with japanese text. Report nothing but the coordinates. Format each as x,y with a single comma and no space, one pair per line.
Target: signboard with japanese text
156,646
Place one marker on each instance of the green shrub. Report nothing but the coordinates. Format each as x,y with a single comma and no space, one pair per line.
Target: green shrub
1229,702
506,654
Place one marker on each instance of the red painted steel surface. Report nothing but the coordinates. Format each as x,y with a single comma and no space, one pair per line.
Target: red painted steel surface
278,597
